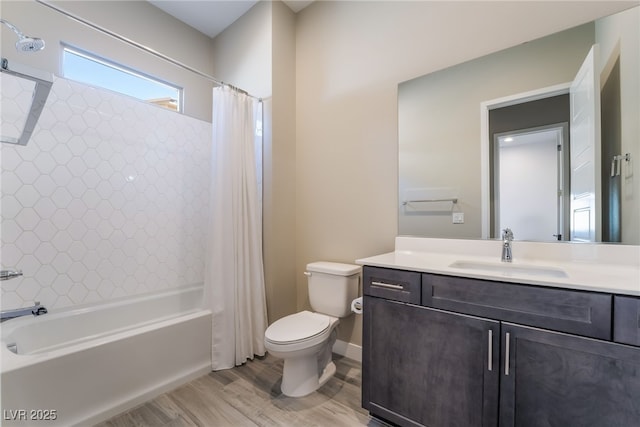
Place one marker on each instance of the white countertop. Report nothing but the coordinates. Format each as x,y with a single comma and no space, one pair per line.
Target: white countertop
601,268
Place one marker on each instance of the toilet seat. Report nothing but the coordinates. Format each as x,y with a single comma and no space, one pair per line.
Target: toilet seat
302,327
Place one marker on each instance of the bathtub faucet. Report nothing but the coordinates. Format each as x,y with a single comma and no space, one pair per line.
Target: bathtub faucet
36,310
10,274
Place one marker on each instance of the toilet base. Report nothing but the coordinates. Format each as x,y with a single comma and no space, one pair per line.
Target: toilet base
308,368
304,371
328,372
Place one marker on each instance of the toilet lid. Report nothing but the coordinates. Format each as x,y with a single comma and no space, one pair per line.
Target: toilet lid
297,327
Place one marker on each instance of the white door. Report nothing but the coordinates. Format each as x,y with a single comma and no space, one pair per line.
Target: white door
585,151
529,182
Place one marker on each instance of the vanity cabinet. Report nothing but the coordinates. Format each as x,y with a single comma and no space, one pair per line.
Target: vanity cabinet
482,353
556,379
396,285
627,320
428,365
577,312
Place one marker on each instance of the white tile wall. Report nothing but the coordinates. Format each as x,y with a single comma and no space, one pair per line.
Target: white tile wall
108,198
16,99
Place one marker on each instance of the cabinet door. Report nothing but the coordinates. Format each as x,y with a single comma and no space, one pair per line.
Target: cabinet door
424,366
556,379
626,323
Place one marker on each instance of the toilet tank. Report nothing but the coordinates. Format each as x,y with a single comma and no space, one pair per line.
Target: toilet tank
332,287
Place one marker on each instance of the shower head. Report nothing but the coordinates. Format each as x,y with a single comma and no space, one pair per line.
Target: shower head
29,44
24,43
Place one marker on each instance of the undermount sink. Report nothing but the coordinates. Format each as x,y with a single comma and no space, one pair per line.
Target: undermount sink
505,268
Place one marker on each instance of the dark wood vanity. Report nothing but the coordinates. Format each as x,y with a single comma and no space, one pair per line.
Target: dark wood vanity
445,351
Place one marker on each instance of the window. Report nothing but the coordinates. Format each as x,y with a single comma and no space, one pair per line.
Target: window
87,68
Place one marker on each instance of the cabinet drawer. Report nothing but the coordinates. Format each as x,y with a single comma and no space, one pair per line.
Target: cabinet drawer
577,312
397,285
626,320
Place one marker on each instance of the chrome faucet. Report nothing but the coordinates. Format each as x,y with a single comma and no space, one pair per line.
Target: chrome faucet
507,238
10,274
35,309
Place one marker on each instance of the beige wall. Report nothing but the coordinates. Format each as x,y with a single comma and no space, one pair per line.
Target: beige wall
257,53
157,30
350,57
242,53
280,171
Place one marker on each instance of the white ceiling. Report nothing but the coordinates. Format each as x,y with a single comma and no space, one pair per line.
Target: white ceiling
211,17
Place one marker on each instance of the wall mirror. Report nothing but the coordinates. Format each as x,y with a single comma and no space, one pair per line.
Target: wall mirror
543,137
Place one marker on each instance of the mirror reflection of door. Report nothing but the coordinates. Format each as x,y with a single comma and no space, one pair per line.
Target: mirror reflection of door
590,198
520,118
529,182
585,152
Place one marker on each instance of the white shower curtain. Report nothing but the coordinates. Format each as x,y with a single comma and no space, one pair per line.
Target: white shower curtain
234,278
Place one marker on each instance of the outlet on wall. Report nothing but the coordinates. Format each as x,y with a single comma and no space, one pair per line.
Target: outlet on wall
458,218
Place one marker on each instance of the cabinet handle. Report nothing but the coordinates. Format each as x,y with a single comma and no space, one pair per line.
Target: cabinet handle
388,285
506,354
490,362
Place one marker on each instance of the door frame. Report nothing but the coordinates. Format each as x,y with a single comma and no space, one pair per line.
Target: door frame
486,141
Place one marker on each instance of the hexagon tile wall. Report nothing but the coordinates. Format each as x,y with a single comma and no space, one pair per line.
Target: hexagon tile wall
108,199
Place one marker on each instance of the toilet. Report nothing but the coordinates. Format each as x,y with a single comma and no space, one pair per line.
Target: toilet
305,339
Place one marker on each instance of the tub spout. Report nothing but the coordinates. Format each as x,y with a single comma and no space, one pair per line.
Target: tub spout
35,310
10,274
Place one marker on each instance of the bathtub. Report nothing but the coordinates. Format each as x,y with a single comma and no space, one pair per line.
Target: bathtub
80,366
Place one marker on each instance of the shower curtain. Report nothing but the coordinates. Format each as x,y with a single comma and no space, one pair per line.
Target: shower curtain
234,277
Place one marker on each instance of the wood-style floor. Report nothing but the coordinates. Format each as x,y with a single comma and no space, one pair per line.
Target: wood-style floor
249,395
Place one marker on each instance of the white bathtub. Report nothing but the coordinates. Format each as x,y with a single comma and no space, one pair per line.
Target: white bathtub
81,366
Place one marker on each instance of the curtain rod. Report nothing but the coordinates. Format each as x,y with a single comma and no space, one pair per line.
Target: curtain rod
140,46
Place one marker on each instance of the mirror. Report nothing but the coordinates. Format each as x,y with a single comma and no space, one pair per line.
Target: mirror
450,121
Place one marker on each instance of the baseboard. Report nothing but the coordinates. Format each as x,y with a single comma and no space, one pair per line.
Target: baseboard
348,350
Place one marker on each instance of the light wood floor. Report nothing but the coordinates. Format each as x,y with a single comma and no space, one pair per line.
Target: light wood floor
249,395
